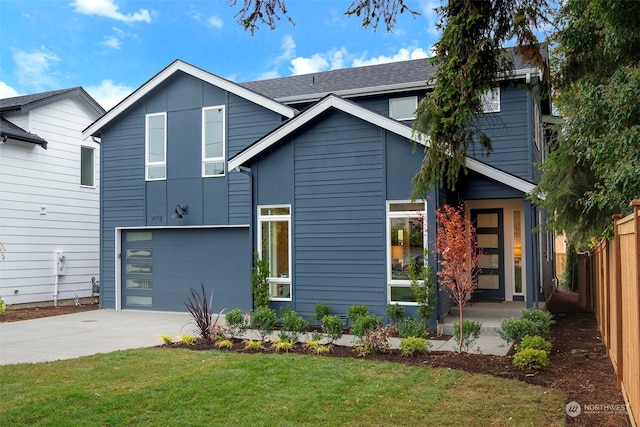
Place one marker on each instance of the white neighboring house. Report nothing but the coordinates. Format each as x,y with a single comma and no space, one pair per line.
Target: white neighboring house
49,197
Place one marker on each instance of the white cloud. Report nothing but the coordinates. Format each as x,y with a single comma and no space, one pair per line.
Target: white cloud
112,42
7,91
215,22
315,63
109,94
288,47
108,9
404,54
427,9
32,68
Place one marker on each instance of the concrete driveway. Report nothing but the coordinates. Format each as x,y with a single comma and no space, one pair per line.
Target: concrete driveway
82,334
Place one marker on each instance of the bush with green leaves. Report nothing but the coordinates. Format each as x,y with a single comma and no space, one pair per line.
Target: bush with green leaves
531,322
293,324
356,311
260,282
535,342
470,333
236,323
395,312
410,327
364,323
413,346
376,340
333,327
531,358
264,320
319,311
3,305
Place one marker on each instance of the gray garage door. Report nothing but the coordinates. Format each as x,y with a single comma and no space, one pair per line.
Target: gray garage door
160,266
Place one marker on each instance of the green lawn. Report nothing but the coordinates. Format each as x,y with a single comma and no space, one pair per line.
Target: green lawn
160,386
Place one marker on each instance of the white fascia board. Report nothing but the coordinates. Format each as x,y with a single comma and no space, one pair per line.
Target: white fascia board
500,176
212,79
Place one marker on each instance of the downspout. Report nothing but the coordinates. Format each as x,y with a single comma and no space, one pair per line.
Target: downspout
55,279
247,171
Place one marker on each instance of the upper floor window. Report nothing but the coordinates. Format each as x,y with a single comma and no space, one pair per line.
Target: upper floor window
156,146
213,141
403,108
491,101
406,244
86,167
274,245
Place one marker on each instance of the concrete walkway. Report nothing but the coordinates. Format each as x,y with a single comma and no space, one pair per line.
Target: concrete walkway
104,331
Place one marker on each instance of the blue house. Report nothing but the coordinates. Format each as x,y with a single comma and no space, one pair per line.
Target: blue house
314,173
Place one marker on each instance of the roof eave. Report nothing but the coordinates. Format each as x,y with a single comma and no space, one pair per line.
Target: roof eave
177,65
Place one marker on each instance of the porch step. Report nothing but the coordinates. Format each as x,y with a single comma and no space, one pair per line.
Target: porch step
490,314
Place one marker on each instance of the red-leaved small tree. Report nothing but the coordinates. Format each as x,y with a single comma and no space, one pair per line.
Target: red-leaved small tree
457,246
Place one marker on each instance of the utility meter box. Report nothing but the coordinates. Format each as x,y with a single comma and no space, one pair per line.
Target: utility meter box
61,264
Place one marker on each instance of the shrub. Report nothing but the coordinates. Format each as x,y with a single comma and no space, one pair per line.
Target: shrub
166,339
531,322
542,318
252,345
200,309
410,327
377,340
530,358
187,339
423,287
293,324
356,311
236,322
3,306
412,346
535,342
225,343
470,334
364,323
395,312
320,310
264,319
260,282
282,345
333,327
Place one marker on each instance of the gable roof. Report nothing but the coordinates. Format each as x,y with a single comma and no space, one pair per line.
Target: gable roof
180,66
10,130
334,102
27,103
393,77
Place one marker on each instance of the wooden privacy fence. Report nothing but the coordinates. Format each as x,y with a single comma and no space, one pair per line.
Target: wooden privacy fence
609,279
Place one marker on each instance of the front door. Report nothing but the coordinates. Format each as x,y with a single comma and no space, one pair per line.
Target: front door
490,233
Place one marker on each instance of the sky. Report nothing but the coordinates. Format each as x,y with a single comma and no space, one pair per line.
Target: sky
111,47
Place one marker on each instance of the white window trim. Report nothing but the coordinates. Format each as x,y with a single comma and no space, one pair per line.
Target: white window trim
268,218
487,100
206,160
146,148
405,98
401,214
93,166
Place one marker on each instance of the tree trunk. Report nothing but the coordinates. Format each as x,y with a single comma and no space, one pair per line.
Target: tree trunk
461,329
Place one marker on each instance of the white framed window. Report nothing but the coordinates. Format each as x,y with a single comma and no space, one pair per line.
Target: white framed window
403,108
156,146
274,245
491,101
87,173
406,244
213,144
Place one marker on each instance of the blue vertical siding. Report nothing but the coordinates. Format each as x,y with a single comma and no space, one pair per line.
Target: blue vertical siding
127,200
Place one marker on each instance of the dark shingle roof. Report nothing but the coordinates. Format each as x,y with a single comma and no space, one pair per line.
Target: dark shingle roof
368,80
10,130
28,102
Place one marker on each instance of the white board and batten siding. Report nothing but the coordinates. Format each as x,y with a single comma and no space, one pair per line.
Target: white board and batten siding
45,210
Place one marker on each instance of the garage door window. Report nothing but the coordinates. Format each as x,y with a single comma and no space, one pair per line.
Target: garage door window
139,269
274,223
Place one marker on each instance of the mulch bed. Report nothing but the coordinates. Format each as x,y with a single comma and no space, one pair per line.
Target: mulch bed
578,365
